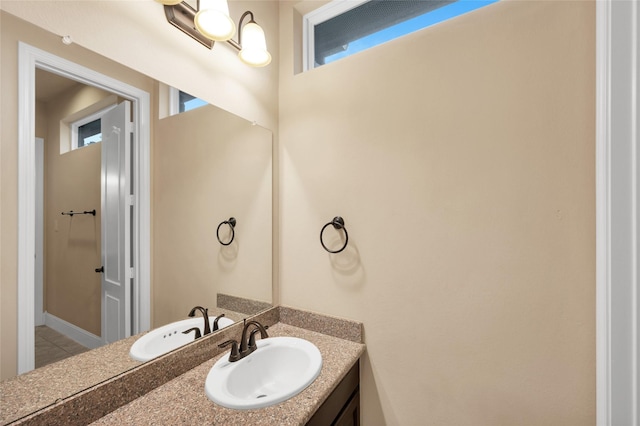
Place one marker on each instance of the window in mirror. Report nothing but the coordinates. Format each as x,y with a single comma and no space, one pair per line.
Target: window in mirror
342,28
180,101
188,102
89,133
86,131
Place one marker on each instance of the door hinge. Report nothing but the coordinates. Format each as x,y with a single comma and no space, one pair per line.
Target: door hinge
132,273
132,200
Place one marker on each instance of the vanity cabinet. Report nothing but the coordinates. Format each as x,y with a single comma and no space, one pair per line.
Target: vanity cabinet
342,407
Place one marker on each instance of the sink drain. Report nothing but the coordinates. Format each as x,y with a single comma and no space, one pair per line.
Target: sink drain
260,396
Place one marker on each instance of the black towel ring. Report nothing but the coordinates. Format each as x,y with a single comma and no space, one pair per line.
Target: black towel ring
338,223
232,224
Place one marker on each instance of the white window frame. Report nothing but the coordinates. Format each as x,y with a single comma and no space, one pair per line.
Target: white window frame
81,122
318,16
174,101
339,7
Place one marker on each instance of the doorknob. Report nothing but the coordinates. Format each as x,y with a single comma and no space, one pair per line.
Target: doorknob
100,269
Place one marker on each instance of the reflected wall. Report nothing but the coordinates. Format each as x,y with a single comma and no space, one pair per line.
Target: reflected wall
210,166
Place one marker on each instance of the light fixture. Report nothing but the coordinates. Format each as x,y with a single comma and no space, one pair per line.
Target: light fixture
213,20
169,2
211,23
254,50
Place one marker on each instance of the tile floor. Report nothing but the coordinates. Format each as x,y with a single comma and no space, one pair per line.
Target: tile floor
52,346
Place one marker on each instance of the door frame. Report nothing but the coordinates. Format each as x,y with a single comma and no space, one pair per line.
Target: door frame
617,209
39,316
30,58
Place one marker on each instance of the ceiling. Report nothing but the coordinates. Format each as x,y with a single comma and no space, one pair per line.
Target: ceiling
49,85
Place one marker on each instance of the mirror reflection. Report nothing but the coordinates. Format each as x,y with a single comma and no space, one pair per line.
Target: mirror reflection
200,187
211,166
208,165
69,170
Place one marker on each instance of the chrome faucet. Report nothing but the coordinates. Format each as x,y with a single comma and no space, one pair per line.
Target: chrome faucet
246,345
205,313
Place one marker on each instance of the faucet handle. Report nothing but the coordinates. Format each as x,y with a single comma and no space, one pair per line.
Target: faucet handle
196,329
215,322
252,337
234,355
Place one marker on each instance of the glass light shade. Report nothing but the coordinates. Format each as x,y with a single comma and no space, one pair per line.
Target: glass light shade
169,2
213,21
254,46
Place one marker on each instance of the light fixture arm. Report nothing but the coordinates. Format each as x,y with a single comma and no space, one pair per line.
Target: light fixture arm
181,16
238,44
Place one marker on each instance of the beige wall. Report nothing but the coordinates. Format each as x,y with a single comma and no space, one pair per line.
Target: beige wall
72,244
212,165
462,160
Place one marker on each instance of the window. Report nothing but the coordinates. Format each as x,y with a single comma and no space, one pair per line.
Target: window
180,101
89,133
342,28
188,102
86,131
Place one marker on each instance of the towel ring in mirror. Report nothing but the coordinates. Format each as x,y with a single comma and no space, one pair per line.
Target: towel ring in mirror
232,225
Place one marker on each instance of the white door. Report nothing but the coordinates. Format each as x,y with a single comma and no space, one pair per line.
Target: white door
116,223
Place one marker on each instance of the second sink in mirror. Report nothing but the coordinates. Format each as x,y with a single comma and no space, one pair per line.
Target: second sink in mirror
169,337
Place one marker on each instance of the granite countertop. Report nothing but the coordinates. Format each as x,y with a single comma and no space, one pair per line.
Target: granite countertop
44,386
103,384
183,401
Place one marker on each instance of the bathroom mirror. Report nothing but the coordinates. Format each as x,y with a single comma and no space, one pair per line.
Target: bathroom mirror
208,165
212,213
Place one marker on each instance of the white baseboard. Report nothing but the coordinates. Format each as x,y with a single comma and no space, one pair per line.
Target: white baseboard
73,332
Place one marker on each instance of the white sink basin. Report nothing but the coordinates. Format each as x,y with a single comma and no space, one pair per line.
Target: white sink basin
169,337
279,369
